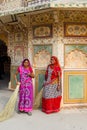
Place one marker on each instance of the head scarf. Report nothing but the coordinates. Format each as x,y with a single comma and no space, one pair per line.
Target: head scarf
57,64
56,61
22,65
24,61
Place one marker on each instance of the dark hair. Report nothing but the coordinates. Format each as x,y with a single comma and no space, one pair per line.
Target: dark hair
24,61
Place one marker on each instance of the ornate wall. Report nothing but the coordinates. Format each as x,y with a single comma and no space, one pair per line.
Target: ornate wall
72,35
62,33
17,50
44,40
4,37
73,21
59,39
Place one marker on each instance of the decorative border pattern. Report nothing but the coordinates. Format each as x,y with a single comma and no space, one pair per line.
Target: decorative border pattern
41,51
66,89
43,31
18,54
75,56
18,37
47,47
75,29
45,5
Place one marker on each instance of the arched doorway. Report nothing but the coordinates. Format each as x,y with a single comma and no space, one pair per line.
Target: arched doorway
5,62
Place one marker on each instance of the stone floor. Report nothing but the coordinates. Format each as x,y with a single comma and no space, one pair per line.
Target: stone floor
66,119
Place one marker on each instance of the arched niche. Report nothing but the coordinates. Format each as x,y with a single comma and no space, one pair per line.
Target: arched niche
5,63
76,59
41,58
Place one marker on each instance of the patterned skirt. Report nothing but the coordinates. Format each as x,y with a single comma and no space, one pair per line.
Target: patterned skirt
26,98
51,98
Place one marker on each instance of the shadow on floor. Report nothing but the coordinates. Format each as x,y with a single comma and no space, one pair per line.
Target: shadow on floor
4,81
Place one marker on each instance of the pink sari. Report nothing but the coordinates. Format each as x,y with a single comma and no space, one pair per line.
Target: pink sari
26,90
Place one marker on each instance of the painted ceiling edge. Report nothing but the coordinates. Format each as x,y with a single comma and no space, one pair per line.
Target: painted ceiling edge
43,6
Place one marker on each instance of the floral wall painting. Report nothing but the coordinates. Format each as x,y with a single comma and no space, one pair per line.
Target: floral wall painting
75,29
42,31
75,56
19,54
42,54
47,47
41,59
18,37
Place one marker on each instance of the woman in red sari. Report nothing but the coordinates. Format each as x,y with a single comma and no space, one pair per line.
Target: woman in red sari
51,96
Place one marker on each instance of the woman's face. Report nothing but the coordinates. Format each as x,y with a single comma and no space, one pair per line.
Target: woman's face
52,61
26,63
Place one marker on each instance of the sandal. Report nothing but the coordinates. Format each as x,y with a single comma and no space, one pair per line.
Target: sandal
29,113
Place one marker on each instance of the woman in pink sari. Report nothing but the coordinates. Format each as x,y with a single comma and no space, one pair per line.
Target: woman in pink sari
51,96
26,87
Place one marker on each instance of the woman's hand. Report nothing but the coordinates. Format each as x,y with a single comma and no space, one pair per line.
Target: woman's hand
43,84
18,83
31,75
58,87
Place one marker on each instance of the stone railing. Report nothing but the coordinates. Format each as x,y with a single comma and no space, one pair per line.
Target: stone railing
36,2
60,2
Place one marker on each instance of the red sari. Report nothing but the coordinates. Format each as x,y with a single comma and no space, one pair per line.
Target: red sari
51,97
